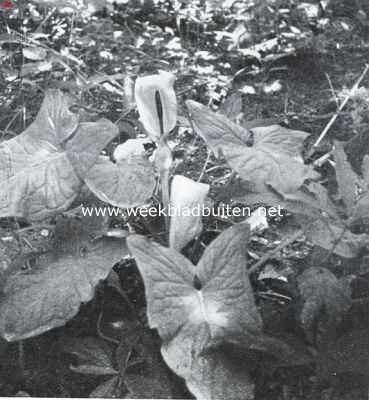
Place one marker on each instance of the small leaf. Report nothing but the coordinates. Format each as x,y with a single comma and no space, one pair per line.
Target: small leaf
347,180
322,292
186,224
274,158
128,183
232,106
94,356
108,389
42,169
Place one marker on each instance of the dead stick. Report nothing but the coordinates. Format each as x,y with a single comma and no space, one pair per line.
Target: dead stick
341,107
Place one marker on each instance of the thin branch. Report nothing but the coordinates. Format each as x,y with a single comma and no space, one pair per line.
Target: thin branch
101,334
203,171
273,252
341,107
332,90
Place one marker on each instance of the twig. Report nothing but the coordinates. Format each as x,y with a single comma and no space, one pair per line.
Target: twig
101,334
203,171
142,53
335,244
36,227
320,161
341,107
332,90
271,253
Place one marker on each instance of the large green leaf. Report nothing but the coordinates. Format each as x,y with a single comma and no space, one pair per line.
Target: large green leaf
47,296
191,318
42,169
265,155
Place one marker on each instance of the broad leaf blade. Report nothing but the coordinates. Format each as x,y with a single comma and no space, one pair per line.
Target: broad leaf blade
168,278
214,378
128,183
208,374
226,290
51,293
274,158
42,169
218,132
192,320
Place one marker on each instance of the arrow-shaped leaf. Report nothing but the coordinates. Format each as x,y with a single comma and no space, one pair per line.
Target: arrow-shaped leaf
265,155
42,169
189,317
47,296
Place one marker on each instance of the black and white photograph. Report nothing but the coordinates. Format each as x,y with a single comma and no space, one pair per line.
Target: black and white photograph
184,199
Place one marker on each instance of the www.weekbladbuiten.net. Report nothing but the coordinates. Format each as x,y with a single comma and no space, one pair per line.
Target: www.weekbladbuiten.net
196,210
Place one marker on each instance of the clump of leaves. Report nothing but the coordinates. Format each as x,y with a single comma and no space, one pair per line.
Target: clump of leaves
43,169
268,160
200,310
265,156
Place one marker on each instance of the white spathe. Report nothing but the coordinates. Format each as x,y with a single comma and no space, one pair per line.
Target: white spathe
185,225
145,95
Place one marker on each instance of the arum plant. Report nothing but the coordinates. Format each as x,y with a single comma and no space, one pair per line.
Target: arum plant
157,106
